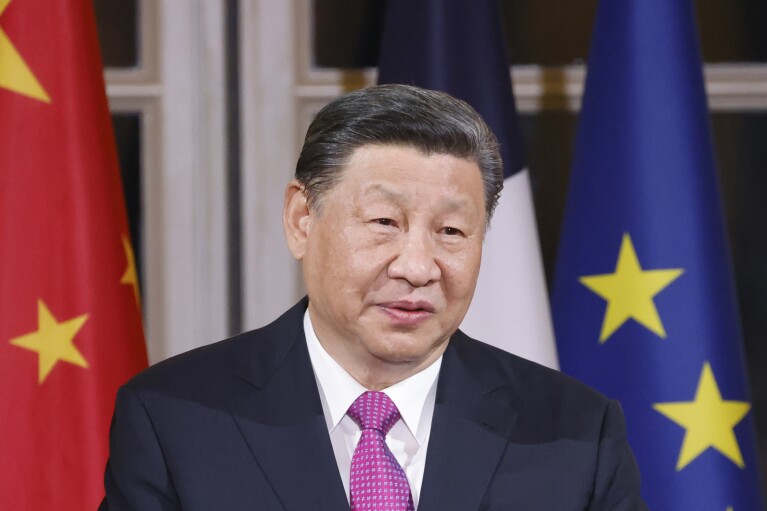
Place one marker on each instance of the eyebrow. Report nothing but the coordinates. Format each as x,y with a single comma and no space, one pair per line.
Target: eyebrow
380,189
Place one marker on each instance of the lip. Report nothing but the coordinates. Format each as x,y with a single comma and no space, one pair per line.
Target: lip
407,313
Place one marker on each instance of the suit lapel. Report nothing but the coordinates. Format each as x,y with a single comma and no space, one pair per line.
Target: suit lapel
282,419
280,416
473,420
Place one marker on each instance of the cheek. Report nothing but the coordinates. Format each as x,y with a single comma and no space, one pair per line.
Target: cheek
351,258
366,269
461,269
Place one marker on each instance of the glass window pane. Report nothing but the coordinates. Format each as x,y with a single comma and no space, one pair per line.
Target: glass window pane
347,32
733,30
117,24
543,32
549,137
127,128
548,32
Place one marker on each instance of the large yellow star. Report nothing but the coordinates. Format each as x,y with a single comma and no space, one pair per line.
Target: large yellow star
53,341
130,276
629,292
15,74
709,421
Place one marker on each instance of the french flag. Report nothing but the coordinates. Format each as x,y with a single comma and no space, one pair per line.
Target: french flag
457,46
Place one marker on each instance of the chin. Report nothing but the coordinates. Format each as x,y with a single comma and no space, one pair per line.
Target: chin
405,351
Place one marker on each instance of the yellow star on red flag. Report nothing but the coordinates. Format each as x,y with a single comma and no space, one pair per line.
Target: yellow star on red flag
53,341
130,276
629,292
15,74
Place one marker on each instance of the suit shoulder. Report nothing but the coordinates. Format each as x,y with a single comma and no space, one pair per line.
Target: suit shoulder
547,395
195,368
211,366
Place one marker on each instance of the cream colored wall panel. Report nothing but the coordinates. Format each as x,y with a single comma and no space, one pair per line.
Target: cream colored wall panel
271,278
189,230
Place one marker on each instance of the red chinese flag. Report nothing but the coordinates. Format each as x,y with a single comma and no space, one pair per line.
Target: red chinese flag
70,321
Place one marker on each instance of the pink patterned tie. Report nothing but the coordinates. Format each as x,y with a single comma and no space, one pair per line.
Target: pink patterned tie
378,483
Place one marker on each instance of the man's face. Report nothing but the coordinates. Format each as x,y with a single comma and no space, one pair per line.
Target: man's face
391,256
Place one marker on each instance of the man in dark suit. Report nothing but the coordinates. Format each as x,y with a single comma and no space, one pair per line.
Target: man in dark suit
366,394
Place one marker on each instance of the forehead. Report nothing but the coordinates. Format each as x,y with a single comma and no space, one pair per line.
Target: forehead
371,165
405,177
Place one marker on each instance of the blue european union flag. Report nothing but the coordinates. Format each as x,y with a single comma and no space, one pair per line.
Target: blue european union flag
643,302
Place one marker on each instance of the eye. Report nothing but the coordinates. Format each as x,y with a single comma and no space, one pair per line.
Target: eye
384,221
452,231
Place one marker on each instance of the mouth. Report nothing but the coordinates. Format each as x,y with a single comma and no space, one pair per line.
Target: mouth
407,313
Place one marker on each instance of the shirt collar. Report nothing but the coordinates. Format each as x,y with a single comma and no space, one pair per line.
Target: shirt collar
339,389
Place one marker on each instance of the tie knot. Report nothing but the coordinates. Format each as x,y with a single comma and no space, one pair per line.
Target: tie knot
374,410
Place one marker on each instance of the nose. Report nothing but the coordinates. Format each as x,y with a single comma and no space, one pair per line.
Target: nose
416,261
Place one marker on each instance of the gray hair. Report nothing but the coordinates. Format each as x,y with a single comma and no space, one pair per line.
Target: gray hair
401,115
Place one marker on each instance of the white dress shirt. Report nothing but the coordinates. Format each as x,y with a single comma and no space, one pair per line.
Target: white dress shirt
414,397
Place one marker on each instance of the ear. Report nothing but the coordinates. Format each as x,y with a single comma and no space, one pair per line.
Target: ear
296,219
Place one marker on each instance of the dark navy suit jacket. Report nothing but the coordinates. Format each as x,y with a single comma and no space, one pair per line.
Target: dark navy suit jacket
238,425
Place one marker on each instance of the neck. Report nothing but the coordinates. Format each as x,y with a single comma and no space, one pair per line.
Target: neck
375,373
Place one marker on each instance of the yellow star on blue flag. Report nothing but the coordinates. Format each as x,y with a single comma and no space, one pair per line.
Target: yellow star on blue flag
708,420
629,292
